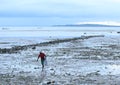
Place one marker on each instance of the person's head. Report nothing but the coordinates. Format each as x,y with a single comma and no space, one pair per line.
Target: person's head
40,51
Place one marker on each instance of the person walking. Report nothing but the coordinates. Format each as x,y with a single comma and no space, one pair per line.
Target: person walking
43,58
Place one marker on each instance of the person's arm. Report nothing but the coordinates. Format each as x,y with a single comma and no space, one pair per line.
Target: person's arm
38,58
45,56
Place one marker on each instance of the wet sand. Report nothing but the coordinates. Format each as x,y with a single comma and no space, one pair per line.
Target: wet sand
93,61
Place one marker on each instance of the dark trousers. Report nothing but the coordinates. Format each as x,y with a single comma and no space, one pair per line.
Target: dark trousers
42,62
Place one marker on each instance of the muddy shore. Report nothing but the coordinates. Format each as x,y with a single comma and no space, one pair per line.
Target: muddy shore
73,62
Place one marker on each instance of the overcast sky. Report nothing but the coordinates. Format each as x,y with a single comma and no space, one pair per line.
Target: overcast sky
50,12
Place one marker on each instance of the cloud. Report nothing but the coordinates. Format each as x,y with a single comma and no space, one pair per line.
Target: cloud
60,10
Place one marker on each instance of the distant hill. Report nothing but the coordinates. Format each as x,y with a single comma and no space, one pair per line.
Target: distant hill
85,25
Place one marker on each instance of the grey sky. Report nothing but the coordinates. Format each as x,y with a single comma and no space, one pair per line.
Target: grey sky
49,12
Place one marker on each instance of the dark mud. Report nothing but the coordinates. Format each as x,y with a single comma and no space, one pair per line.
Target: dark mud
25,47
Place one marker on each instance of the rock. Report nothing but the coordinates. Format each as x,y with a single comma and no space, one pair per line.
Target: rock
51,69
34,47
49,82
53,81
105,67
36,68
118,32
93,74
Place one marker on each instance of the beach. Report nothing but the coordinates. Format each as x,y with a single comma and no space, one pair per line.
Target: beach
73,57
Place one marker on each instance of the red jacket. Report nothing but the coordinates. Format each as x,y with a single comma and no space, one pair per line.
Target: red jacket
41,55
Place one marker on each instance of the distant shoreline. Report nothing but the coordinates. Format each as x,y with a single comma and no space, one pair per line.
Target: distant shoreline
86,25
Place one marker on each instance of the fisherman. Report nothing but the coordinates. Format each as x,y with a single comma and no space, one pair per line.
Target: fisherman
43,58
